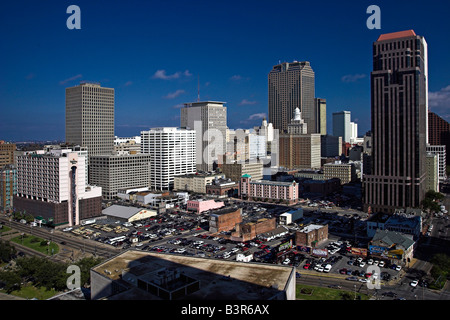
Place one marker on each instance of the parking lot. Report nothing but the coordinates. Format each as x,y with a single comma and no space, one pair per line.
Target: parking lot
181,232
353,268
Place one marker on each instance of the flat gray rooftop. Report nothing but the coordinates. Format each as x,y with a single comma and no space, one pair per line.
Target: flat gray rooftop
220,279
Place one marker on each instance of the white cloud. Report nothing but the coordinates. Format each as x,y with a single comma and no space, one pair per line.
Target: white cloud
236,77
253,117
256,116
175,94
71,79
246,102
128,83
440,99
162,74
352,77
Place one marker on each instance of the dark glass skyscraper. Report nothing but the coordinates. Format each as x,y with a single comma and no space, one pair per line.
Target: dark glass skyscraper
399,123
291,85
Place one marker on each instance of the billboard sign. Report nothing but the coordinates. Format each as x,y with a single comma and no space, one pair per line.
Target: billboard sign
320,252
304,249
359,252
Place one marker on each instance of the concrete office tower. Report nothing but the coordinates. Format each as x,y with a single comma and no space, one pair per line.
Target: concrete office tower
432,165
342,125
297,149
331,146
115,172
172,151
291,85
441,153
53,185
266,130
354,133
320,106
6,153
399,123
244,145
90,117
209,120
8,187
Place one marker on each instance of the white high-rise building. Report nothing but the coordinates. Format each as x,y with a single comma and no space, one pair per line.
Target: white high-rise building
441,153
209,120
53,185
342,125
172,151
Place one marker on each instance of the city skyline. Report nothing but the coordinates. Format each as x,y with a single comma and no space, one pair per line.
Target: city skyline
157,55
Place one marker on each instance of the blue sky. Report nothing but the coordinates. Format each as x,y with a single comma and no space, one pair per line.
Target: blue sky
154,52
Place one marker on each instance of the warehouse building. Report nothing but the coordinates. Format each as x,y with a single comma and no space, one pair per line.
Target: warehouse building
127,214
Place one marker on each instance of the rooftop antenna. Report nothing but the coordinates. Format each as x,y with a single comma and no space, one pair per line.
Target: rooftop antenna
198,88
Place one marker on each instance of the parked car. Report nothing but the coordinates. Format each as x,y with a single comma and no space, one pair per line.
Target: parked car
352,279
414,283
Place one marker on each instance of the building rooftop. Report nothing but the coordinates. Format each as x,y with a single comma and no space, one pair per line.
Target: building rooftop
220,279
121,211
223,210
311,227
391,238
396,35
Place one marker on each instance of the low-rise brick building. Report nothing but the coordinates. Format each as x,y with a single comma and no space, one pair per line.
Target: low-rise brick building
247,231
224,219
311,235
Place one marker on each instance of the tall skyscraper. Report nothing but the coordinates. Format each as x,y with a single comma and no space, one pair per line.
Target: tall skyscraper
209,120
342,125
172,152
321,115
90,117
399,123
291,85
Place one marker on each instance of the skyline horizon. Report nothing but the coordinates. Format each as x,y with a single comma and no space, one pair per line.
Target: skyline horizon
158,66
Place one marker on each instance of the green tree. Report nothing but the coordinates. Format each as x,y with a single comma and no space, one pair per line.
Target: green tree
431,201
10,280
86,264
7,251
